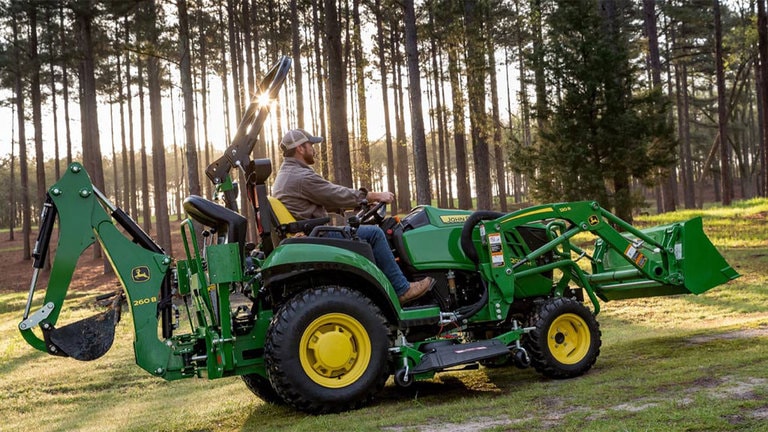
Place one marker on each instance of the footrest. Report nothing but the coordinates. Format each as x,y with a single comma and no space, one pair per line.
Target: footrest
453,355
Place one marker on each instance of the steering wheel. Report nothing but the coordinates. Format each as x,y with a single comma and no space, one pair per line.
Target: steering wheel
372,215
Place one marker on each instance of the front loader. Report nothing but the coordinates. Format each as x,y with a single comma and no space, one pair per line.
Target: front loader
306,317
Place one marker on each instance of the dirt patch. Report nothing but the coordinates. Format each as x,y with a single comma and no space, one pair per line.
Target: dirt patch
738,334
473,426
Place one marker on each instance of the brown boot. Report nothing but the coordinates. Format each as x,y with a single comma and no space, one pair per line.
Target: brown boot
417,289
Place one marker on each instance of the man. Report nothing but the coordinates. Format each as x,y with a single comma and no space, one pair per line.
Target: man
308,195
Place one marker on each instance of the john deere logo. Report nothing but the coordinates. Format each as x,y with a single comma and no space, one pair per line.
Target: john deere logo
594,220
140,274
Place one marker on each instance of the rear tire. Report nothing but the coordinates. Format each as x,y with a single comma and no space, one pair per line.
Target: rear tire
566,340
261,387
326,350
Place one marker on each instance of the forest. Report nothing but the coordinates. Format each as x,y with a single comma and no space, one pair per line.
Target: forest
644,106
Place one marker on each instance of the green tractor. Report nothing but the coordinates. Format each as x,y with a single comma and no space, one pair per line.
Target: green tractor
310,320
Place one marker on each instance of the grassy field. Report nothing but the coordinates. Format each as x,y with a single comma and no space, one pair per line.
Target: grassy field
685,363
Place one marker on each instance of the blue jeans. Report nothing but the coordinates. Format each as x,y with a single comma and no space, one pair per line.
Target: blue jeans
383,256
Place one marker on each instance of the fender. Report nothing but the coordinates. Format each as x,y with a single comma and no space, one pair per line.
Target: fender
289,261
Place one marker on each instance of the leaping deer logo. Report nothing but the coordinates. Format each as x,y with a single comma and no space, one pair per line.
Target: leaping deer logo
140,274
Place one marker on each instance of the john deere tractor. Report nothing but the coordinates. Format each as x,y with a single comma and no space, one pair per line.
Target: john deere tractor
308,319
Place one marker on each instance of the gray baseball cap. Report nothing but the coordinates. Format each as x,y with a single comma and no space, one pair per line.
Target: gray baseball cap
296,137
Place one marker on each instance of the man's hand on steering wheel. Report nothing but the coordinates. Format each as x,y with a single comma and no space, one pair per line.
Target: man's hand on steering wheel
376,213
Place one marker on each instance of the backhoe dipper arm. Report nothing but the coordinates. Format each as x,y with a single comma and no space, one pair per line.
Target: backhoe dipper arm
238,154
139,263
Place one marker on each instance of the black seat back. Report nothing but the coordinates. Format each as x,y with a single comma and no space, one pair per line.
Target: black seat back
230,226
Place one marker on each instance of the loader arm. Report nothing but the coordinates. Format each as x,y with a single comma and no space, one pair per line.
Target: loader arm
664,260
138,262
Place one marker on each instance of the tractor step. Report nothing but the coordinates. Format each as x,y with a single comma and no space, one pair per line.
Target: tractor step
450,355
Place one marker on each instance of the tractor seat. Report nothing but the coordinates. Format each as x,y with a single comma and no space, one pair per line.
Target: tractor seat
223,220
286,225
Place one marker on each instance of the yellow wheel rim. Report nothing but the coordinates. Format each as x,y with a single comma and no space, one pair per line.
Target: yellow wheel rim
335,350
569,339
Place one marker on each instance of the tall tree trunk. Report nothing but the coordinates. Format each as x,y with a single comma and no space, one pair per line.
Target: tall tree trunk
233,58
362,109
444,115
65,89
762,31
498,151
668,182
123,139
133,196
681,85
423,192
462,174
476,95
54,108
316,23
84,14
248,48
385,98
185,66
722,115
204,95
115,176
12,181
442,185
540,108
297,71
37,115
337,103
145,208
158,146
401,148
26,211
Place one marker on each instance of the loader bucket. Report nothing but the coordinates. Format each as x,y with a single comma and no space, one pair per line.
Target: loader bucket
87,339
702,265
695,260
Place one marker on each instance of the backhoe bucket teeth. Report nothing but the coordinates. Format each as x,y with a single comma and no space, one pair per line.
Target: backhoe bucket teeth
87,339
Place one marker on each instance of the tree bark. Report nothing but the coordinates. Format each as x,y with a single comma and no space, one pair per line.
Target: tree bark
321,89
37,115
385,98
423,192
297,70
187,90
158,146
362,109
26,212
462,174
337,103
725,154
442,185
145,208
498,151
476,95
762,31
668,183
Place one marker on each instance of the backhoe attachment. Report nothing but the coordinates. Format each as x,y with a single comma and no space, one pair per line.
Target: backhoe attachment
139,263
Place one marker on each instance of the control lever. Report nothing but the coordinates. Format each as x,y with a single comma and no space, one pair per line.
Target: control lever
354,225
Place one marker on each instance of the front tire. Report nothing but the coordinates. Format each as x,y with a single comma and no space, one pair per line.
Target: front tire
566,340
326,350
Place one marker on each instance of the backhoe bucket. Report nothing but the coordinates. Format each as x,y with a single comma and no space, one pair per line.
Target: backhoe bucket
87,339
703,266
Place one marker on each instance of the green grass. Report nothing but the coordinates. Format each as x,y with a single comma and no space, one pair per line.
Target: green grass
683,363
